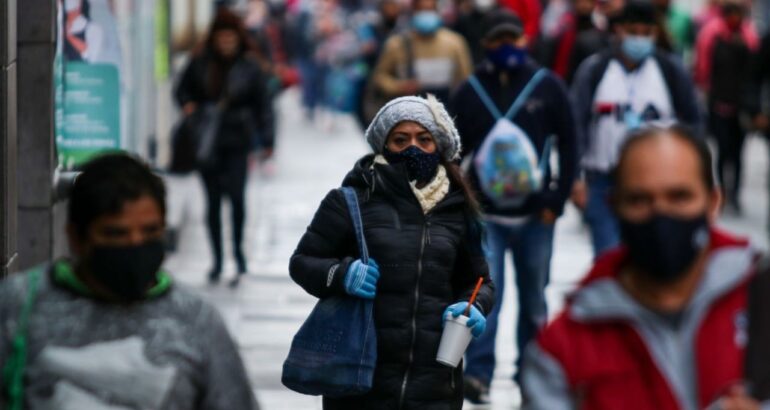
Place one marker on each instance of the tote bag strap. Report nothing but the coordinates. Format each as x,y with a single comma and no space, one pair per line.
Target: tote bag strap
355,214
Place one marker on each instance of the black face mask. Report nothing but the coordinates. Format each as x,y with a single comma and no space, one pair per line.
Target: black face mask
664,247
127,271
420,165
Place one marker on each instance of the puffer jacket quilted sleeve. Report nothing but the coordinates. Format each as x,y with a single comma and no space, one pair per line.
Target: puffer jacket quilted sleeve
326,249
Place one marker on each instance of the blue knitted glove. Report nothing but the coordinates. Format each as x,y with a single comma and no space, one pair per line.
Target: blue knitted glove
477,321
361,279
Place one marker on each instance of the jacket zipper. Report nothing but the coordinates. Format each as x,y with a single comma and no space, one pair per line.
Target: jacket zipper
405,381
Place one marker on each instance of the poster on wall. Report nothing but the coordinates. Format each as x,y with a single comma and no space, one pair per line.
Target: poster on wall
87,77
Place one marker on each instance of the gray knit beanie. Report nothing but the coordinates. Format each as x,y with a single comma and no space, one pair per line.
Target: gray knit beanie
428,112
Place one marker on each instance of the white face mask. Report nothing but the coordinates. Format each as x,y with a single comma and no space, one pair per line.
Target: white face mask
71,5
484,5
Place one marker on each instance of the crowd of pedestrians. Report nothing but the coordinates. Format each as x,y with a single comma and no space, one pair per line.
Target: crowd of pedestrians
484,118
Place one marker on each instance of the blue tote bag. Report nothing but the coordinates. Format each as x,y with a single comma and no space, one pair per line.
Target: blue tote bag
334,353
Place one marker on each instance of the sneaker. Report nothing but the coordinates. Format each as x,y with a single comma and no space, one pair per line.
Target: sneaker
475,391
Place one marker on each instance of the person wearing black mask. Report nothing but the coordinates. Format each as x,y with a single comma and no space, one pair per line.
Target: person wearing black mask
108,328
420,221
527,229
659,323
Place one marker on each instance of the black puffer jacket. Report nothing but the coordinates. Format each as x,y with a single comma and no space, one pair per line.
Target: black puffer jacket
426,264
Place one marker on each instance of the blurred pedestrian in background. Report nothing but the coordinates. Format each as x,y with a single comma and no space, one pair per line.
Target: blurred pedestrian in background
618,90
426,59
421,225
578,37
225,85
388,20
610,13
470,24
267,22
680,27
661,322
723,71
109,328
344,40
509,78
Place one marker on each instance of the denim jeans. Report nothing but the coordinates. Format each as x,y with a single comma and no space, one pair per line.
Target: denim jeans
605,232
531,244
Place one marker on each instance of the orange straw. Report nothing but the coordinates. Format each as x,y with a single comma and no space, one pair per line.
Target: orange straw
473,296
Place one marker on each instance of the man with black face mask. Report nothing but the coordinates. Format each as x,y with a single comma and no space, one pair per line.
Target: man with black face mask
538,109
661,322
107,328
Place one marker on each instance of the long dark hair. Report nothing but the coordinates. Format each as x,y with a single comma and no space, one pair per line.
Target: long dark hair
218,67
472,210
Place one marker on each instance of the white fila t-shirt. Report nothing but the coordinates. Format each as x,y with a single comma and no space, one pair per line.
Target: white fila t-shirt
623,101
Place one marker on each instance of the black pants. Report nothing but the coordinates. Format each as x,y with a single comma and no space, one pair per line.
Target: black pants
227,178
730,137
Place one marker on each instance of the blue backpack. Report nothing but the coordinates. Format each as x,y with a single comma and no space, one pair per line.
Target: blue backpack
507,164
334,353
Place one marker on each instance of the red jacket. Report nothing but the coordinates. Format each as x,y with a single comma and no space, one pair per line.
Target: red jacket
607,352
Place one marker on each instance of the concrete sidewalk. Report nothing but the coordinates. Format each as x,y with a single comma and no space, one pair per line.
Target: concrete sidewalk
268,308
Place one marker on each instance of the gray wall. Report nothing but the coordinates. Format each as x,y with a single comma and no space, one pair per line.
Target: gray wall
8,70
36,159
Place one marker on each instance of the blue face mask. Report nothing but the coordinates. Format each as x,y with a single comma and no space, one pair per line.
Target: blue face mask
637,48
426,22
420,165
507,56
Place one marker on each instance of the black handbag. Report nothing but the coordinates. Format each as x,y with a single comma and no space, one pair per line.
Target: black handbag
193,140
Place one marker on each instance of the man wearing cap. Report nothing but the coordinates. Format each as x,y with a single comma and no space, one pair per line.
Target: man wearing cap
619,90
527,228
660,323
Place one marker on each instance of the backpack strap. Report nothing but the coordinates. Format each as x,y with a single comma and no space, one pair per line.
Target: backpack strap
485,98
545,158
13,371
355,214
525,93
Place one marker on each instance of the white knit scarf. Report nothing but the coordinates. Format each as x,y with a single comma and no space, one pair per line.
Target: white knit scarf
431,194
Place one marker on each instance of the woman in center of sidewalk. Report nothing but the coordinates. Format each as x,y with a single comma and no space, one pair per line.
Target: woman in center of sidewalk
422,228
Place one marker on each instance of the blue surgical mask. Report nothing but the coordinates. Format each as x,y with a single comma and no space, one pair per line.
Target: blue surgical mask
420,165
637,48
426,22
507,56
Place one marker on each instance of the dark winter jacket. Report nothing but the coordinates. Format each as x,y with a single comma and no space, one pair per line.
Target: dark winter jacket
547,112
426,264
248,119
